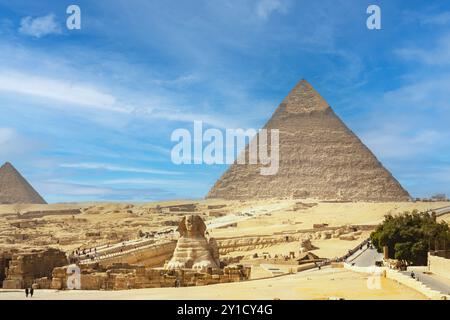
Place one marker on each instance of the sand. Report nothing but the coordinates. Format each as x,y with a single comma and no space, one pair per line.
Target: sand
307,285
114,222
102,223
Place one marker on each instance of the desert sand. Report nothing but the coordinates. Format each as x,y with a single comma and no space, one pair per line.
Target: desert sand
324,284
100,223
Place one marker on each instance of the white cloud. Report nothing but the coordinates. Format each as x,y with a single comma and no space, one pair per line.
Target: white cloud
78,191
13,144
40,26
57,89
6,135
442,18
160,183
265,8
74,94
439,54
431,94
109,167
391,144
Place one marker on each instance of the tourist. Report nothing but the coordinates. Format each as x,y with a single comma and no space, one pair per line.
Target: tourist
26,292
31,292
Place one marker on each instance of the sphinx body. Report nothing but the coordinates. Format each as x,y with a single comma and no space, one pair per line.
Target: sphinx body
193,250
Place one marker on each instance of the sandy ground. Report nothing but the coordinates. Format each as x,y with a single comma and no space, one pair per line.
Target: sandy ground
334,214
306,285
116,222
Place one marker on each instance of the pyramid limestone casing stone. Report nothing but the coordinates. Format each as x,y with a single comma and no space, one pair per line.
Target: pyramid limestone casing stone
320,157
15,189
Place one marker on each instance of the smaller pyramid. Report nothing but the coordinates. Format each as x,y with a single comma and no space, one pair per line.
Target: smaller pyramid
15,189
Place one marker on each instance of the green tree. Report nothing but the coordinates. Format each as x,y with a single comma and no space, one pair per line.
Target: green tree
409,236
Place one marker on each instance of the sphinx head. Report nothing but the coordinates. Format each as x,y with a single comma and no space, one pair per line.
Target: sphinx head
192,226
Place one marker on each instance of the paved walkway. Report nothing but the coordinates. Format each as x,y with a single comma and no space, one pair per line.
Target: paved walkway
365,257
368,258
432,281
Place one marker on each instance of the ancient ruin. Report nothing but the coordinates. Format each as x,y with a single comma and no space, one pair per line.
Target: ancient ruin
24,268
15,189
193,250
195,262
320,157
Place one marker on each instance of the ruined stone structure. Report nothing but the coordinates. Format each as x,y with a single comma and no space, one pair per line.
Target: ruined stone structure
124,276
148,255
319,157
15,189
193,250
5,258
25,267
46,213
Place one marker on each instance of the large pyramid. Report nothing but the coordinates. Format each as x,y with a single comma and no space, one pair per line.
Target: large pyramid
15,189
320,158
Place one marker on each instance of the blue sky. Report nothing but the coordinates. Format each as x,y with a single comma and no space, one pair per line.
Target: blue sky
87,114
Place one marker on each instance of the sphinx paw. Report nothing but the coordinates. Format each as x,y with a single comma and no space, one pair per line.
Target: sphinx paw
202,265
172,265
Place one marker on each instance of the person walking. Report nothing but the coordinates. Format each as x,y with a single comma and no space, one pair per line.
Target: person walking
31,292
26,292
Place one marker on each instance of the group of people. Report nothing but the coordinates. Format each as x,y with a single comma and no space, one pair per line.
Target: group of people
80,252
29,291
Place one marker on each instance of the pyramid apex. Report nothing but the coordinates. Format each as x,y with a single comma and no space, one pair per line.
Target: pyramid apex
303,98
7,164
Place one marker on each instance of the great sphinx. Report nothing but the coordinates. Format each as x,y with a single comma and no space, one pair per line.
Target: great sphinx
193,250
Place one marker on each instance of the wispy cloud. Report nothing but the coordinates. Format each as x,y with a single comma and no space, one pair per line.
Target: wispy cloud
265,8
40,26
110,167
438,54
422,94
71,95
392,144
85,192
13,144
438,19
57,89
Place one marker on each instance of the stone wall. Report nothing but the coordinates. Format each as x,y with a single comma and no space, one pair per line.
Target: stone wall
44,213
155,255
5,258
25,267
247,243
439,265
123,277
